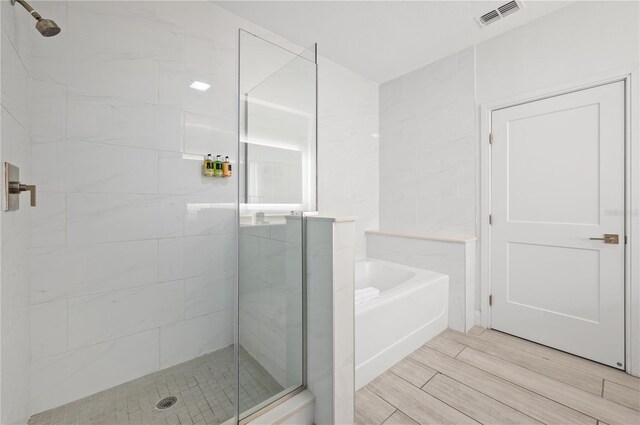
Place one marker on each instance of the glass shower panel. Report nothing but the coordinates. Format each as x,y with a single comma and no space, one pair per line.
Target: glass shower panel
277,182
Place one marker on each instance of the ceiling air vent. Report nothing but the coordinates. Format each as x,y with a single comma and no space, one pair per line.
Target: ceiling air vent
487,18
499,13
509,8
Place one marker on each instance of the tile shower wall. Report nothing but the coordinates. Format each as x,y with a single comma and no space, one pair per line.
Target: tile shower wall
427,149
131,249
271,298
132,265
14,226
348,148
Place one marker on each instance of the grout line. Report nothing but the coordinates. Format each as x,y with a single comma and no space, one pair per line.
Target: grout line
486,395
526,366
429,380
456,356
510,382
387,418
444,402
556,350
532,391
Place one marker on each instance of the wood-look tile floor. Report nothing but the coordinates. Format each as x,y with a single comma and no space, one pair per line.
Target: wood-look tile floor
489,377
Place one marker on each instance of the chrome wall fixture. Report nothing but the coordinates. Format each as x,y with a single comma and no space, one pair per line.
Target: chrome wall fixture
46,27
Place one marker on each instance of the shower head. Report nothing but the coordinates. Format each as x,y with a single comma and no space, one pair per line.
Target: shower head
46,27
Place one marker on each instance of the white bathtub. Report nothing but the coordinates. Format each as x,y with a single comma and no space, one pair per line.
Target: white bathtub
411,309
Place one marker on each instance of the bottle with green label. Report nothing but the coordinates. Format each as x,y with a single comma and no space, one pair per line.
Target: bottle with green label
209,166
217,167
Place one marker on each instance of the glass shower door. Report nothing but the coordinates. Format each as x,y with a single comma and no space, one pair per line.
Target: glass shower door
277,182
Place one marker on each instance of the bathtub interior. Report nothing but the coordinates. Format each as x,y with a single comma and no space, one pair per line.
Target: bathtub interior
380,275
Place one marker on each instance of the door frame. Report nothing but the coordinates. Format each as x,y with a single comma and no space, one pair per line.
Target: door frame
631,77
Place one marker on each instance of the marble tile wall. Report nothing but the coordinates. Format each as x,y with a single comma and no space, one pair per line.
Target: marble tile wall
15,148
349,167
132,249
427,149
271,297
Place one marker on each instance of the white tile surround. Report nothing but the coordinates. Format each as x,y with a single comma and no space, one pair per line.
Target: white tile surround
270,297
454,257
330,282
348,157
428,149
15,124
128,244
132,259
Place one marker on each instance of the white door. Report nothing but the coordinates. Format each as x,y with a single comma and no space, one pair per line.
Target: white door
557,182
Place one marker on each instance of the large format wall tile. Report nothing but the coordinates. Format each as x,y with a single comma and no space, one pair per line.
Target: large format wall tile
48,329
82,167
75,374
123,122
128,311
16,86
207,294
15,148
93,218
192,338
350,162
427,149
49,105
73,271
196,256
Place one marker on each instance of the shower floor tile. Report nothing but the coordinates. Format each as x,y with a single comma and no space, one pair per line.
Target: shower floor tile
203,386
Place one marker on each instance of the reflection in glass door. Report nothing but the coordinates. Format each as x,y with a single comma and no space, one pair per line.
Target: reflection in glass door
277,175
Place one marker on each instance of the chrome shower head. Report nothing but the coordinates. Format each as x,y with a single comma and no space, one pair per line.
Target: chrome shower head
46,27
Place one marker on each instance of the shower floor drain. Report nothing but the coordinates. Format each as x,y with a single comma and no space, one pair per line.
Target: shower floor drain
166,402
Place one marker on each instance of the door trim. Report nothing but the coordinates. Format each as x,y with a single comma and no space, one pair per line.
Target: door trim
631,77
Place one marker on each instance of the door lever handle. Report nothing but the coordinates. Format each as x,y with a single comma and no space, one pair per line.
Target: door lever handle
608,238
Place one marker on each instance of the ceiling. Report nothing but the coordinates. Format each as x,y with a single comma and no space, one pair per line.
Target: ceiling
382,40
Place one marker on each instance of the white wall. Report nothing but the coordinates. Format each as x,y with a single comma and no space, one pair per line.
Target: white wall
427,149
132,251
14,226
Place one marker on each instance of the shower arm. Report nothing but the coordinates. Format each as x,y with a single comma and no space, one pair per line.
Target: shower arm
27,6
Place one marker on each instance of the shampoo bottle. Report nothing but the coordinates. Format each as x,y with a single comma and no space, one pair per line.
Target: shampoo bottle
226,167
208,166
217,169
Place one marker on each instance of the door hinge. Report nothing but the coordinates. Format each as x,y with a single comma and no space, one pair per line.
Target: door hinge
625,239
491,138
490,299
490,219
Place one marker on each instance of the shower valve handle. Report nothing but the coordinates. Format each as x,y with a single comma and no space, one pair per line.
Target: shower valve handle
17,187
